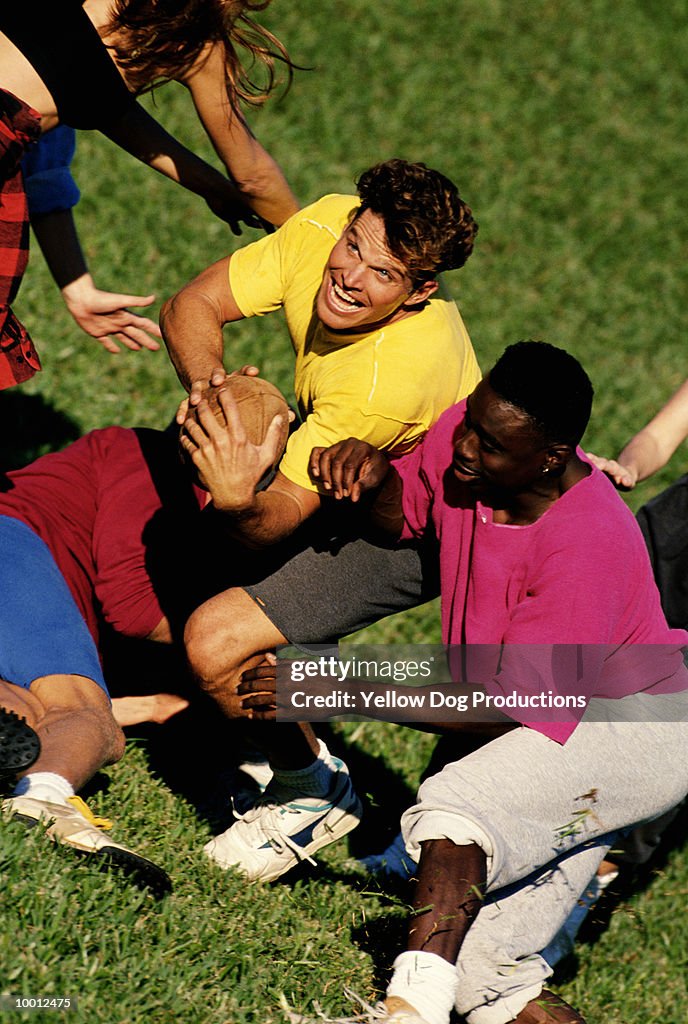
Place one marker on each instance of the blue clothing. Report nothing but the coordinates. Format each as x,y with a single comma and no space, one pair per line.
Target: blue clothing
42,632
50,187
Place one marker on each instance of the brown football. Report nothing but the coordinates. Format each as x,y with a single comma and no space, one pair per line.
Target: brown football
258,403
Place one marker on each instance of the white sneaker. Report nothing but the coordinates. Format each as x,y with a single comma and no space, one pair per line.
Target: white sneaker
277,834
394,862
72,824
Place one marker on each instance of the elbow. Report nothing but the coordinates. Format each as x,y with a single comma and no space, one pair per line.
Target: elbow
171,314
252,186
167,313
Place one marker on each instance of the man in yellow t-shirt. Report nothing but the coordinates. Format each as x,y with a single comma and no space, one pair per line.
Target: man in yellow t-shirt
380,354
348,379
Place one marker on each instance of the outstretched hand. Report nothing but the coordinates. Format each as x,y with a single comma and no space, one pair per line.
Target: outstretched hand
348,468
105,316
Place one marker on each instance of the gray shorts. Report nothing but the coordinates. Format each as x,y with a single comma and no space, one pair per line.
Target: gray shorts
332,585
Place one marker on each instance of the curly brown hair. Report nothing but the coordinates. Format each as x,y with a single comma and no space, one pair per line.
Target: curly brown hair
429,227
158,40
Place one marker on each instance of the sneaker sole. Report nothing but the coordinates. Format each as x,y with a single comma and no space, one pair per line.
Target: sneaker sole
20,747
143,873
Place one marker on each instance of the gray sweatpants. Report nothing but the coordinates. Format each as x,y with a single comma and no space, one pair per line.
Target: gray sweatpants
545,815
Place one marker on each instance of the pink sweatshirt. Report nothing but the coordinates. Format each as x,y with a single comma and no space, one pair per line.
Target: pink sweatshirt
579,575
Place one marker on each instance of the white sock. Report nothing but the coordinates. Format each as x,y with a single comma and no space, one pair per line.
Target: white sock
427,982
315,780
45,786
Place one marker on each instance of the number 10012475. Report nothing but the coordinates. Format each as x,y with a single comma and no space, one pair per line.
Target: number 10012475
24,1003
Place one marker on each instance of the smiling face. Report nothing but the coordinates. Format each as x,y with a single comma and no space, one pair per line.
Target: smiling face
364,286
500,448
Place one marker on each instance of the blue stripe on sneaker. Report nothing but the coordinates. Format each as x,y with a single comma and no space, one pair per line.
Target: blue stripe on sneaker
309,808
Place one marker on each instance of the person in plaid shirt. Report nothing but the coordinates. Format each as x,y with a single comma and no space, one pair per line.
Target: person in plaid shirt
84,67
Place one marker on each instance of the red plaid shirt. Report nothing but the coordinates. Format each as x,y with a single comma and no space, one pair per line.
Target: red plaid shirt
19,125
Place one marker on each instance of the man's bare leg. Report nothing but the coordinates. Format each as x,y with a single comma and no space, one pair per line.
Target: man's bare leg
78,734
448,897
72,717
76,727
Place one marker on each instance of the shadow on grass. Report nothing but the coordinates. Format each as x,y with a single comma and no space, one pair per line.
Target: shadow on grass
195,751
384,794
29,427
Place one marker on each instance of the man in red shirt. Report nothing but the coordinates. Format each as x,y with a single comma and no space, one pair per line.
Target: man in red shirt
86,536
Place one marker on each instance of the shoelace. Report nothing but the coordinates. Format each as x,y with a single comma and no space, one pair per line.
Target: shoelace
270,801
82,807
278,839
281,841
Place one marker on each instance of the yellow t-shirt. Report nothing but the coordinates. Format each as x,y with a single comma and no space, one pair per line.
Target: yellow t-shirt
387,387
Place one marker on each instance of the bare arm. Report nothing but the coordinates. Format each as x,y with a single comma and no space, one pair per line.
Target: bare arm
140,135
192,322
653,446
257,176
273,514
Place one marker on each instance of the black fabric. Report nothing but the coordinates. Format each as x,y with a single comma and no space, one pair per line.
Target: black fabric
61,44
664,524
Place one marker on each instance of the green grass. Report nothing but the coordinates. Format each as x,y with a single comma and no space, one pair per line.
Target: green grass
564,126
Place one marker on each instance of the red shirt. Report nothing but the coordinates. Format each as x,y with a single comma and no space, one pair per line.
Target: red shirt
121,517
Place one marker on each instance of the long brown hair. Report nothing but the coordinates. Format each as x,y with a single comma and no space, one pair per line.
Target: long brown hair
158,40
